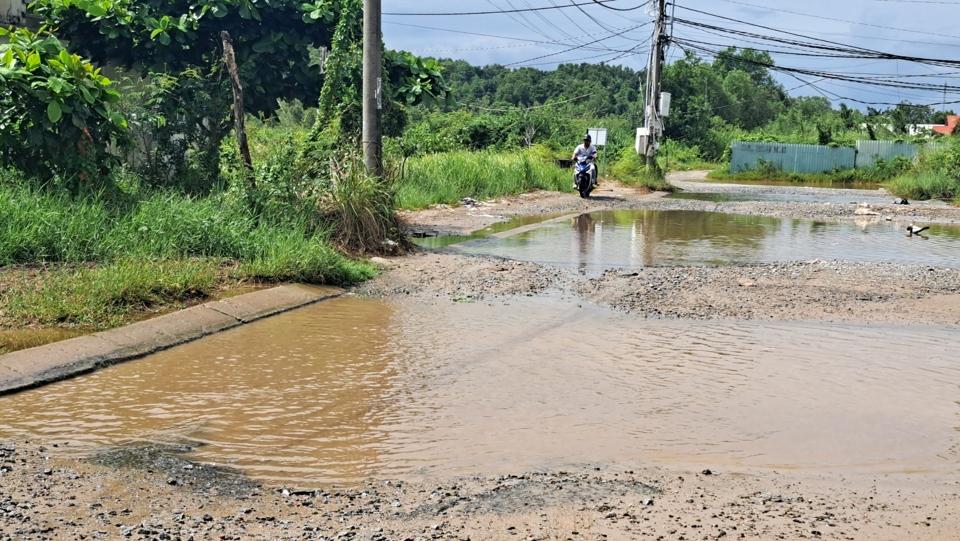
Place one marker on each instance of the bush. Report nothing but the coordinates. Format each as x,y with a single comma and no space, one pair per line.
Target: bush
177,123
936,175
676,156
57,113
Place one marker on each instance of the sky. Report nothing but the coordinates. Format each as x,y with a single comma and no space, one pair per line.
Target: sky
918,28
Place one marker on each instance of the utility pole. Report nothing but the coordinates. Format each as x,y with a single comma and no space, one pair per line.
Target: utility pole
652,118
372,137
944,96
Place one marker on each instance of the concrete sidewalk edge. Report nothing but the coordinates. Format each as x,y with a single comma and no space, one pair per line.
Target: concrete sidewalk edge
30,368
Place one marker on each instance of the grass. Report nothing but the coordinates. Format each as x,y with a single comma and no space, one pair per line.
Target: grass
935,176
926,185
98,262
826,179
632,170
103,296
881,171
449,177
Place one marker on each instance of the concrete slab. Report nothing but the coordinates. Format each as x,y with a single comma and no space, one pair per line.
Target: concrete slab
55,361
7,374
45,364
166,331
260,304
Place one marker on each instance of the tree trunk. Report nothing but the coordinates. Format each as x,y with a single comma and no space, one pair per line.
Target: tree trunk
230,59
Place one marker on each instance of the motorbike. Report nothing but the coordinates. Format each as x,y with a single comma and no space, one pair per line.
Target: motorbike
582,177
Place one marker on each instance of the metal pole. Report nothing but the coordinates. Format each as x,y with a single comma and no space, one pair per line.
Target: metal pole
653,88
372,138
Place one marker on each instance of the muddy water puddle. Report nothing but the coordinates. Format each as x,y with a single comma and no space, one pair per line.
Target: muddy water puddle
353,388
433,240
638,238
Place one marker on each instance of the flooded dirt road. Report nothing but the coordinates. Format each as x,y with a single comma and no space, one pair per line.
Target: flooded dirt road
779,370
354,389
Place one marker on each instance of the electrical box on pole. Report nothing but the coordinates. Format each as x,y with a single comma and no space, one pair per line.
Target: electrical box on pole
665,99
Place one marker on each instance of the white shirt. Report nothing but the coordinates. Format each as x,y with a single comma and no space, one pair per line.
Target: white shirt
585,152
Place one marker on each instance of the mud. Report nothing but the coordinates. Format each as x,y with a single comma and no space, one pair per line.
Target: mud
49,498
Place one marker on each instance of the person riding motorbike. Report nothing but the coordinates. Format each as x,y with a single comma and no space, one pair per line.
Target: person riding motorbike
588,152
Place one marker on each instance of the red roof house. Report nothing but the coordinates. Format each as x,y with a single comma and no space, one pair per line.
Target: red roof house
953,121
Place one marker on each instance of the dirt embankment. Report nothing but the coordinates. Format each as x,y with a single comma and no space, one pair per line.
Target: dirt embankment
163,498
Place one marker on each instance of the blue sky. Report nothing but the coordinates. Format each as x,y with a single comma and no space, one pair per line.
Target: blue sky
922,28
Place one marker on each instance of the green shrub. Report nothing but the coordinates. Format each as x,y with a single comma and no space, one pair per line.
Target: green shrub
936,175
57,113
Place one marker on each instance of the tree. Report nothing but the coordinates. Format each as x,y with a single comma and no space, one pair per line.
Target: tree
273,39
57,112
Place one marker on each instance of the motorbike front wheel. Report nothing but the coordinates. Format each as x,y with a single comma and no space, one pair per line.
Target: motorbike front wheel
584,185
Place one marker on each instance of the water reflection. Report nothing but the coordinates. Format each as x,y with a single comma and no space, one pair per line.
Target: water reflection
597,241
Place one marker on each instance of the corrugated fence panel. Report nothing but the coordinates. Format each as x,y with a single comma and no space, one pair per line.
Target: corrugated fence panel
792,158
868,152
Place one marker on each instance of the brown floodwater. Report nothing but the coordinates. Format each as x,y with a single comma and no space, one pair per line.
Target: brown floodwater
641,238
353,388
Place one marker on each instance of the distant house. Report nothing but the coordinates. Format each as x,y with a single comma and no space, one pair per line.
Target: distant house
953,122
12,12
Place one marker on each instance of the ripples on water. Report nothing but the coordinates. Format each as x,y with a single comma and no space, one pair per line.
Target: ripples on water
356,388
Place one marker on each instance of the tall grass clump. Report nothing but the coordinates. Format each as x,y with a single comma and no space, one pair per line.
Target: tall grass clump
936,175
631,169
359,209
451,176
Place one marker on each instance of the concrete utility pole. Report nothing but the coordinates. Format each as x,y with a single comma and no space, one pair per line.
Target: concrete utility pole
372,137
652,118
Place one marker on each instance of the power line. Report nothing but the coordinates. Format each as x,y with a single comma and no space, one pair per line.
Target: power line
576,47
497,12
795,72
848,21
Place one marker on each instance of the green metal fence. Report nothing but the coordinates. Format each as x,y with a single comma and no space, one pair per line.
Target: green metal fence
869,152
792,158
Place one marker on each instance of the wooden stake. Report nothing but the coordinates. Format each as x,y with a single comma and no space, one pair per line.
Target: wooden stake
230,59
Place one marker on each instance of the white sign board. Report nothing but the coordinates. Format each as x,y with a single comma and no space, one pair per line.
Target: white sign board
599,136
